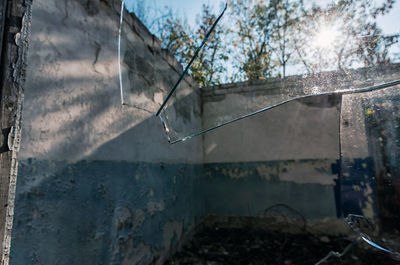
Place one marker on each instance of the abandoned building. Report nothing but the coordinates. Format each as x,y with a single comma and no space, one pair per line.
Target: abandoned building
87,180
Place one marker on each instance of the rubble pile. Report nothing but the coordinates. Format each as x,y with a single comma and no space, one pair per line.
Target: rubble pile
245,246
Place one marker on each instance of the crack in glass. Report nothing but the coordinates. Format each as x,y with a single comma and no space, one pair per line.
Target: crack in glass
187,110
368,89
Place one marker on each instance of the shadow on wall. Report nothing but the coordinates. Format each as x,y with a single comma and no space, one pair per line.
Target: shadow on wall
146,142
72,97
72,100
70,211
101,212
248,188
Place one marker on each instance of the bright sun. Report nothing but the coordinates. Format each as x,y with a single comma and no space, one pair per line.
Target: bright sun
326,37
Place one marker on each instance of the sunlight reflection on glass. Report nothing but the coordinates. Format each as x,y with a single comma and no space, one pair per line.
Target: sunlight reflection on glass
248,65
326,37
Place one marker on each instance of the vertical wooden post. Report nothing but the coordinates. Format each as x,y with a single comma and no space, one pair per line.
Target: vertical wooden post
15,17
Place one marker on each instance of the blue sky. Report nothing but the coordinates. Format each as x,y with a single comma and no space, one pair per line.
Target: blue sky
184,8
189,9
390,23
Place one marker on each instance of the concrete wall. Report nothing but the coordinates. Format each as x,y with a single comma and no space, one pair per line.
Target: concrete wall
98,182
369,141
294,130
290,154
284,155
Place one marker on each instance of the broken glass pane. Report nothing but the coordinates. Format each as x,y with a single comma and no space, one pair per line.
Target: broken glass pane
336,254
141,85
260,55
224,104
370,175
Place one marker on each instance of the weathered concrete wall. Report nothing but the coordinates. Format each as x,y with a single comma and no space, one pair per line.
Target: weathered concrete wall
249,188
302,129
292,131
369,142
101,212
98,182
73,102
284,155
14,38
360,173
248,160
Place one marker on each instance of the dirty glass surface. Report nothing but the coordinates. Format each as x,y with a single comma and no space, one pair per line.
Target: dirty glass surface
350,48
370,159
320,47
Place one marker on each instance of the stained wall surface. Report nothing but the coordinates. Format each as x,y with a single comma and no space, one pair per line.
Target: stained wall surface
287,155
98,183
290,154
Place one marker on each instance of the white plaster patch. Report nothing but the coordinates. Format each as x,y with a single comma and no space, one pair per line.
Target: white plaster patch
313,172
266,172
235,173
368,210
138,218
134,254
153,207
171,229
122,216
158,98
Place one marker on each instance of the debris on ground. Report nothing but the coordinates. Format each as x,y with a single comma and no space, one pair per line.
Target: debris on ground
252,246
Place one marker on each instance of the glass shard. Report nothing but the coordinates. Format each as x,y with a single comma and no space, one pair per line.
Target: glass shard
191,60
260,55
337,254
370,156
225,104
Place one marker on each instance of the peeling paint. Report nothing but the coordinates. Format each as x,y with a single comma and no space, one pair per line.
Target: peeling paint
132,254
266,172
154,207
138,218
235,173
313,171
172,232
108,218
123,217
137,211
368,209
302,171
249,188
358,187
77,202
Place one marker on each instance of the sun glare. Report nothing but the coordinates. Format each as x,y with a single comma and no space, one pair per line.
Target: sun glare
326,37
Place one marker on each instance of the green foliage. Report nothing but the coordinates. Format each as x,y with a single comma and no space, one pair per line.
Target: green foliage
261,39
209,67
285,17
177,37
253,30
